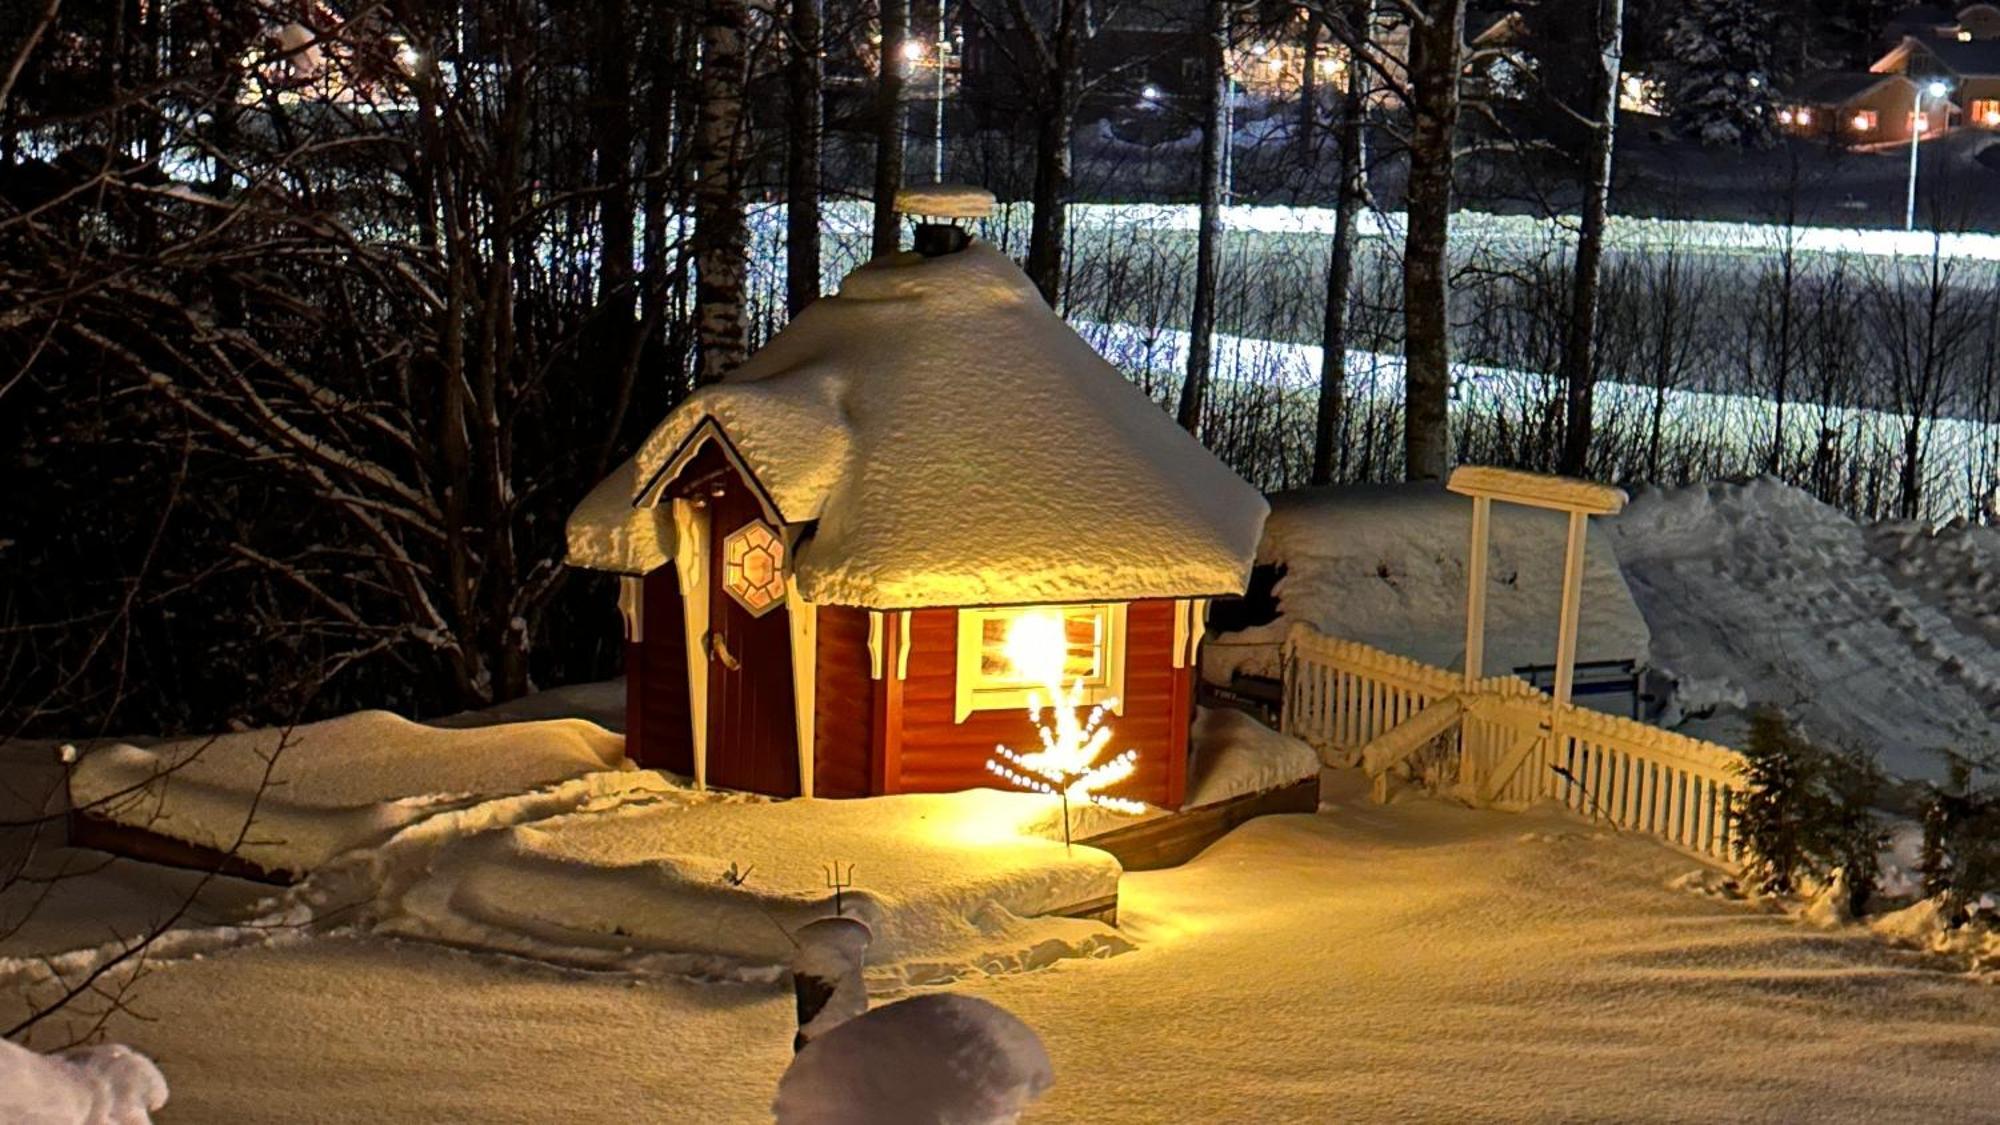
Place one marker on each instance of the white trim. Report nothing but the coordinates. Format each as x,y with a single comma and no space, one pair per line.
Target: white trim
1181,607
691,566
903,645
805,656
1197,628
875,644
632,606
707,430
969,698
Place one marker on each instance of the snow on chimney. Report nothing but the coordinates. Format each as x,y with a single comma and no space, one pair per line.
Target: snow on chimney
952,203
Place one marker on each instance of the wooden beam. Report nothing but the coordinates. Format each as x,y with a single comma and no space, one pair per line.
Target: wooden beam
1475,591
1537,490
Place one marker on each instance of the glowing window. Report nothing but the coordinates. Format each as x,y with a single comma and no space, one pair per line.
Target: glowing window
1986,111
753,567
1863,121
1086,642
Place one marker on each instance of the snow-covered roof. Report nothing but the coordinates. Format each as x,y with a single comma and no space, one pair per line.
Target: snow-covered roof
946,201
954,443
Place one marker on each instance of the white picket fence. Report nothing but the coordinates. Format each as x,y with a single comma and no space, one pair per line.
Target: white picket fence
1340,696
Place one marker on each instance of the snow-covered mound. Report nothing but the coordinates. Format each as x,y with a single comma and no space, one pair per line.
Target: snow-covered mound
1235,754
324,788
935,876
1385,565
950,1060
1758,594
104,1085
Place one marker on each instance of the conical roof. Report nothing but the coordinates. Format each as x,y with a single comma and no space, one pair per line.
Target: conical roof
952,442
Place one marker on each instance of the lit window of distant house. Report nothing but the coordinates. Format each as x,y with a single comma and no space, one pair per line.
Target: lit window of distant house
1093,644
1986,111
1863,121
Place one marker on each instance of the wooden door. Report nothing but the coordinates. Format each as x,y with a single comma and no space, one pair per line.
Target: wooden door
752,739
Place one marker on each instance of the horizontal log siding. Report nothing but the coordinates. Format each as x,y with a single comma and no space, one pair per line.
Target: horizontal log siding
656,688
843,704
939,755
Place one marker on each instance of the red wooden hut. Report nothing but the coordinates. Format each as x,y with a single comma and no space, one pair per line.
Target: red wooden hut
820,556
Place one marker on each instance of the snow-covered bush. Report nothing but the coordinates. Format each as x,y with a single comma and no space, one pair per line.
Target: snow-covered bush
1961,850
1807,814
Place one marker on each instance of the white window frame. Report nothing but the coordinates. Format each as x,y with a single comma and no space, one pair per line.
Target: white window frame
972,696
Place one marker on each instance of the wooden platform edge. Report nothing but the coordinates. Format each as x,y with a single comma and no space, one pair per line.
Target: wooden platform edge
1172,840
1103,910
89,831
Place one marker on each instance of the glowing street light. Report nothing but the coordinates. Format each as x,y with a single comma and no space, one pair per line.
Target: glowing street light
1937,90
913,50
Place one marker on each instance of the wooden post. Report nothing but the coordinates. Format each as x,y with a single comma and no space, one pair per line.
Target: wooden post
1475,592
1572,601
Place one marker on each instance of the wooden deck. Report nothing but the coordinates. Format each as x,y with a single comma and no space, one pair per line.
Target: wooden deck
1172,840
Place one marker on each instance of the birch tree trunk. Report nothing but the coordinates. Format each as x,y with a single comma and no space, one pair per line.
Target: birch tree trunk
721,237
1340,265
1214,135
1061,85
889,125
1579,361
1436,49
803,74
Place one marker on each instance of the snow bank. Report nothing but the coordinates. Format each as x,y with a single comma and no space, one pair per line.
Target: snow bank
1235,754
957,444
1385,565
935,876
957,1060
332,785
104,1085
1759,595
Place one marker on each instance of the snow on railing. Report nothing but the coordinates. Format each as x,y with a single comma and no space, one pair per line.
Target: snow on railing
1340,696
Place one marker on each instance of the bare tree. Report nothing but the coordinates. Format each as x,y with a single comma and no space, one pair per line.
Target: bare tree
1437,38
1579,363
804,73
721,236
1208,241
889,107
1352,194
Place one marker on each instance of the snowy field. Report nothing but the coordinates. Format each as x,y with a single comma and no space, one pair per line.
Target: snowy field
1416,962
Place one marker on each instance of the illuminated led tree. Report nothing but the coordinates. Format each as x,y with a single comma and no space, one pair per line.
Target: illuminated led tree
1067,764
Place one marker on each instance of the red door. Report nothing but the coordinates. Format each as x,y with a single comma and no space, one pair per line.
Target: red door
752,742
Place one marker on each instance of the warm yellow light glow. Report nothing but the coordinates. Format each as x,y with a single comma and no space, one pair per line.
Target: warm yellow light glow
1805,117
1864,121
1037,646
912,50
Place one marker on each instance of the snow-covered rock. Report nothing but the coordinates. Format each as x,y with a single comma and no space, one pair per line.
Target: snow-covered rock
104,1085
955,443
323,788
1385,565
949,1060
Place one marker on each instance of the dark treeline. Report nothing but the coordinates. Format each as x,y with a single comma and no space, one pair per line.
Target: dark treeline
317,316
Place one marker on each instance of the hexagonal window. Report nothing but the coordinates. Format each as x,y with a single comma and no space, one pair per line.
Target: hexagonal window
753,567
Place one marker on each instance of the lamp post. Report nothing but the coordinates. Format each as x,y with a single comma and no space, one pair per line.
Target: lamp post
1917,122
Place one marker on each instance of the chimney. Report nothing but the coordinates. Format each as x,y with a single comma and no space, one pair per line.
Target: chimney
939,209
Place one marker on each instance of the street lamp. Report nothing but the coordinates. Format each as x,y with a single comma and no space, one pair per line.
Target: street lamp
1917,122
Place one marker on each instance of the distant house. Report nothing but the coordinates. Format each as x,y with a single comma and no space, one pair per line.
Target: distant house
1960,49
1858,107
1970,66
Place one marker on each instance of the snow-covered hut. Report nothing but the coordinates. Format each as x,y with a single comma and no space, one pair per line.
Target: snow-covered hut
821,555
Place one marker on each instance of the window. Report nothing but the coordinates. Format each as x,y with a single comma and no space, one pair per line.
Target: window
1863,121
1085,642
753,567
1986,111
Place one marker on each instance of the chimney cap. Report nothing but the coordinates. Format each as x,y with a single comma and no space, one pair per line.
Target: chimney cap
945,201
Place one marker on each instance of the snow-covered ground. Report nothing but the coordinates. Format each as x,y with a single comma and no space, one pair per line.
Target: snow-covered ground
1742,595
289,800
1884,638
1411,962
1385,565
